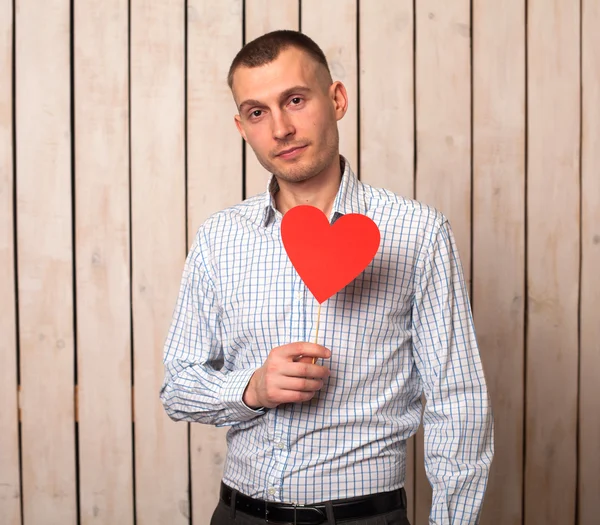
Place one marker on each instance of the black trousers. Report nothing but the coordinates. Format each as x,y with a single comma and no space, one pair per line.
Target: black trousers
225,515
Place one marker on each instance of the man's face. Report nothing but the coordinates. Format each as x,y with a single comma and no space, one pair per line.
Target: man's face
288,113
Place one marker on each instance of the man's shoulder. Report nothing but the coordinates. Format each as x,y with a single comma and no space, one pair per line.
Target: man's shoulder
247,214
250,209
392,205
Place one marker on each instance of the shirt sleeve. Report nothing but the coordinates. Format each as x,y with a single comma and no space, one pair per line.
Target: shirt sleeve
459,442
196,387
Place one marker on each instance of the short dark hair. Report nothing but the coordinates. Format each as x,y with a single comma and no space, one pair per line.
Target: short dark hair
266,48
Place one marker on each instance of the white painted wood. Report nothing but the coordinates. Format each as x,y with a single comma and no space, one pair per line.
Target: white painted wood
499,238
589,389
263,16
214,183
102,256
422,489
333,26
443,115
443,98
553,244
387,95
215,146
208,450
409,483
45,261
158,249
386,111
10,490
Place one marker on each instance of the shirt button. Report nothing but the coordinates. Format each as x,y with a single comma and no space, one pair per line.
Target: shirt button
272,491
280,445
299,296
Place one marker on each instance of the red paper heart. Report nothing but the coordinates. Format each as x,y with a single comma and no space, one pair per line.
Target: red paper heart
327,257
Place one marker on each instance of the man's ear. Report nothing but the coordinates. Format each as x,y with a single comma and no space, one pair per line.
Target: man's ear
238,125
339,99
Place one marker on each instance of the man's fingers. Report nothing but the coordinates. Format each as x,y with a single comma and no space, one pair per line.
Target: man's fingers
305,370
303,359
286,379
293,396
297,350
302,384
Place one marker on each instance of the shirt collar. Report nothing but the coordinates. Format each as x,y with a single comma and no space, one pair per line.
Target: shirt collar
349,198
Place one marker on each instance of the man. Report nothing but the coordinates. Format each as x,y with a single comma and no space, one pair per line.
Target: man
325,442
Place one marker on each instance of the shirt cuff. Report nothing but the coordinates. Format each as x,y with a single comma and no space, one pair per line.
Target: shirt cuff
232,395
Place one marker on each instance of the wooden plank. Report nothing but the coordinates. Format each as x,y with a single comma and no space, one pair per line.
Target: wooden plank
553,244
262,16
443,101
387,133
422,488
10,490
499,238
158,249
387,136
214,183
443,115
215,160
589,391
409,483
102,256
45,261
333,26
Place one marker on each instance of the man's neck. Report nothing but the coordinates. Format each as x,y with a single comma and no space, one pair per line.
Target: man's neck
319,191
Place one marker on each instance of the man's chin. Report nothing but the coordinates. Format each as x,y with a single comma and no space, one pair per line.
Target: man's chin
295,176
295,171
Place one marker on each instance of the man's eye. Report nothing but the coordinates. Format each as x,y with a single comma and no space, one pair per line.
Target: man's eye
256,113
296,100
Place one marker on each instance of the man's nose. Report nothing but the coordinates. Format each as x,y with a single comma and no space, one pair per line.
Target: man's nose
282,126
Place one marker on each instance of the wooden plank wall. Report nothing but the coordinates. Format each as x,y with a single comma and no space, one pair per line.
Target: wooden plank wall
499,237
215,181
589,357
45,261
158,247
553,259
10,485
388,159
102,244
443,144
116,142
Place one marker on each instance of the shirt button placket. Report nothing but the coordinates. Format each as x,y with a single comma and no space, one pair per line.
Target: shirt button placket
280,451
280,457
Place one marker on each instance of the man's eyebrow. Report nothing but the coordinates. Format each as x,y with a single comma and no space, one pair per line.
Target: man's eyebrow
293,90
284,95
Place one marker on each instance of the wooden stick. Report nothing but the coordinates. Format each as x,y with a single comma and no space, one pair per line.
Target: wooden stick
317,331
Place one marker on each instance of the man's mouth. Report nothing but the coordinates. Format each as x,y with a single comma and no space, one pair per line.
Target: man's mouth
290,151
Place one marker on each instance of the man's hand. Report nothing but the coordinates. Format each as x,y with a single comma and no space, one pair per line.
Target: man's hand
287,376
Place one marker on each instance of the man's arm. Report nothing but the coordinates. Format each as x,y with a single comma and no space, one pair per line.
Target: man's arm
458,424
195,387
198,388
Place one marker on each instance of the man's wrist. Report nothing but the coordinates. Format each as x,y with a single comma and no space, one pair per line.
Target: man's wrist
249,397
